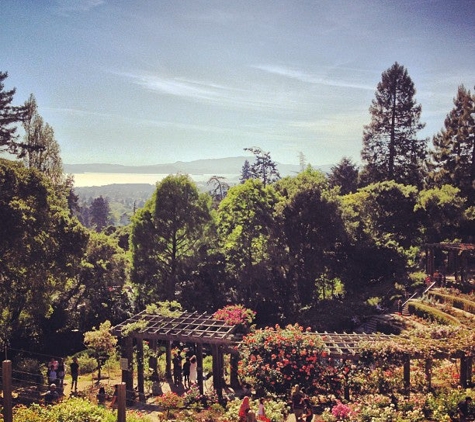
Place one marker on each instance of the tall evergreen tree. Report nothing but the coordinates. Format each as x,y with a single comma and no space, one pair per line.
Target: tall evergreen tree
245,172
263,167
345,176
391,150
100,213
453,157
40,149
9,116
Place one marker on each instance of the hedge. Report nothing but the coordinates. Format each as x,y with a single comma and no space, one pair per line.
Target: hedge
454,301
432,314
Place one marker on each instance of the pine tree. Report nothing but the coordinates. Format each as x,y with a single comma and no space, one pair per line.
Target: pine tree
391,150
344,175
100,213
9,115
245,172
453,157
40,149
263,167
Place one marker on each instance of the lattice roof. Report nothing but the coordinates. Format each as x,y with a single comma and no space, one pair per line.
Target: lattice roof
191,327
347,346
203,328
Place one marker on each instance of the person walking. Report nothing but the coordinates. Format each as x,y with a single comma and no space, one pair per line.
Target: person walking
297,403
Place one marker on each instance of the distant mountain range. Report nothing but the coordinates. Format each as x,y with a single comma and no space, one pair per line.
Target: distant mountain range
217,166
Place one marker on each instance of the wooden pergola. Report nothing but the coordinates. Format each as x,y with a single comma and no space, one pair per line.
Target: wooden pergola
348,347
188,328
203,330
456,262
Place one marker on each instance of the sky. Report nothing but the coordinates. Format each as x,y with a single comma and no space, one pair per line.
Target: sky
140,82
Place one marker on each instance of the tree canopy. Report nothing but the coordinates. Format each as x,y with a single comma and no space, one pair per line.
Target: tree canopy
453,157
165,234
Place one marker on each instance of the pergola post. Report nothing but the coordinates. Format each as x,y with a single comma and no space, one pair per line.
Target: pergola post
234,379
463,372
469,371
168,354
430,261
428,372
407,375
127,353
217,369
140,370
199,366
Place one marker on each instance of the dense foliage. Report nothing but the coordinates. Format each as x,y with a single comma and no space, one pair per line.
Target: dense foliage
294,249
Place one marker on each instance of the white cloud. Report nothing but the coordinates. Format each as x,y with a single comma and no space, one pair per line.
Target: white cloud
212,92
67,6
309,78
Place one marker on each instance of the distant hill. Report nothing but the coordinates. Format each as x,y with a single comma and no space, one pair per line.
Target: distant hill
125,198
231,165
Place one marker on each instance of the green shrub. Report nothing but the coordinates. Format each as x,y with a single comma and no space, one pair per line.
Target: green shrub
455,301
72,410
431,314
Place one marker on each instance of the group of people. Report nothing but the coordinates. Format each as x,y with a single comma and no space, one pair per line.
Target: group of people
55,373
301,405
186,373
246,414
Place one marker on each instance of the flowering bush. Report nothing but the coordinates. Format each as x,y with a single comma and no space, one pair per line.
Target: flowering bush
275,410
341,411
193,398
168,401
273,359
235,315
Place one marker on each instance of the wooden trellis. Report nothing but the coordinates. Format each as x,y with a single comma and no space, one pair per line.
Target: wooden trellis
203,329
187,327
346,346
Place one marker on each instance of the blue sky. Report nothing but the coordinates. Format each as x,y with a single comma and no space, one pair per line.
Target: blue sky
143,82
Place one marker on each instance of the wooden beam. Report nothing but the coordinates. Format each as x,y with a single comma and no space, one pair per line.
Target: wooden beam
428,372
463,372
127,355
199,364
7,390
407,375
140,371
168,350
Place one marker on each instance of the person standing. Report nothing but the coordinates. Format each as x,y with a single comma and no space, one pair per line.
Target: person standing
244,409
177,369
61,373
297,403
186,372
74,368
193,370
52,375
261,412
